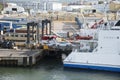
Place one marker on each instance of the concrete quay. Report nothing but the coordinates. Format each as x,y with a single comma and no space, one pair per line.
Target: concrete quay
25,57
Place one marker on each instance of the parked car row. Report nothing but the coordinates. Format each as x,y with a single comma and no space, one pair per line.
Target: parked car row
7,44
55,44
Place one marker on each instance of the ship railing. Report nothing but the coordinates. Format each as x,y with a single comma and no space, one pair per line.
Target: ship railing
109,25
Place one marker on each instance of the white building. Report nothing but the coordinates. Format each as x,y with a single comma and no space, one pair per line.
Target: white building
13,8
101,7
53,6
50,5
80,8
42,5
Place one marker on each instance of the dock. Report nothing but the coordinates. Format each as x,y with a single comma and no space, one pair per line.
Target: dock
25,57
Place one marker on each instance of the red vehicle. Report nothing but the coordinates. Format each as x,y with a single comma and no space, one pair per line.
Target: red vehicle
49,37
83,37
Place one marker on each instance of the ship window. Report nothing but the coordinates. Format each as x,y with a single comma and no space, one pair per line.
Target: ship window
118,23
14,9
117,37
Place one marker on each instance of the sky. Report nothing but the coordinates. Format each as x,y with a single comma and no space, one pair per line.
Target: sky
54,0
39,0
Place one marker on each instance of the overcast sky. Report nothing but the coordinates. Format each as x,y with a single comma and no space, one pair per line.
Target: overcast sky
39,0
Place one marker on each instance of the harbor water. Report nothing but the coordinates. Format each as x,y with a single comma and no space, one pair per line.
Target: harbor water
52,69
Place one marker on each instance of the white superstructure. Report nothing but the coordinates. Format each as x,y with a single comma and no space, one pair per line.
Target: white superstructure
106,56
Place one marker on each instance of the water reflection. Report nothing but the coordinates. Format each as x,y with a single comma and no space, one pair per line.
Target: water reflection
52,69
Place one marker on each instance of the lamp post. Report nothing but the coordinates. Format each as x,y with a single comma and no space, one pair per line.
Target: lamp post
105,12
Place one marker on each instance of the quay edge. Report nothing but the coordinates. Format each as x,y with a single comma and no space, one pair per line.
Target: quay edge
9,57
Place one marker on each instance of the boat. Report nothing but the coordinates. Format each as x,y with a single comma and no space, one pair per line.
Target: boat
105,54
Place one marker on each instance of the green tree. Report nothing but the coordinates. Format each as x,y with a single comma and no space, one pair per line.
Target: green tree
1,7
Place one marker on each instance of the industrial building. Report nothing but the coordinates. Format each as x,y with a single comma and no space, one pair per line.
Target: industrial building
53,6
43,5
13,8
80,8
114,6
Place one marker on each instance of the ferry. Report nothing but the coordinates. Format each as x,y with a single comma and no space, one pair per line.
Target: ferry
104,56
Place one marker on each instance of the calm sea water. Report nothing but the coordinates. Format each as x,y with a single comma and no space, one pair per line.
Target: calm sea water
52,69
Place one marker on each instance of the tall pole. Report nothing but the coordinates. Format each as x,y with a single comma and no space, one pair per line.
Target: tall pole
28,34
33,32
46,23
38,36
50,27
43,27
105,12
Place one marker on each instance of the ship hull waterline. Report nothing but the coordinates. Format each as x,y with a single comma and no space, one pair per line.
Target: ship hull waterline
94,67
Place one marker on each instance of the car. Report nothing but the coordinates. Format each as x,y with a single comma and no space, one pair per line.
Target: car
64,45
51,42
11,44
8,44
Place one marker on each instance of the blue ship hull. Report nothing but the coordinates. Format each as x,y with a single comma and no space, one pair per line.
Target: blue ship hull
114,69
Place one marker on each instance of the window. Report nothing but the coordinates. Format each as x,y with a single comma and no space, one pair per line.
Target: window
16,35
12,35
94,11
25,35
14,9
21,36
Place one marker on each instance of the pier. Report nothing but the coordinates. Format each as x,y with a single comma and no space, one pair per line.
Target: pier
57,53
25,57
28,57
